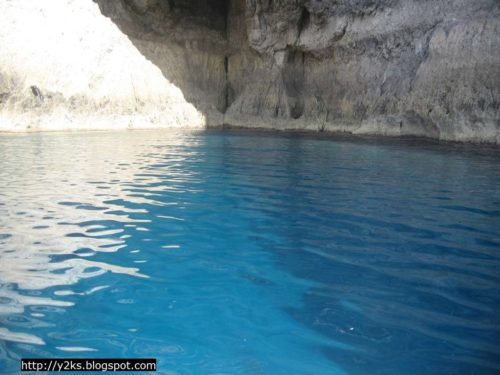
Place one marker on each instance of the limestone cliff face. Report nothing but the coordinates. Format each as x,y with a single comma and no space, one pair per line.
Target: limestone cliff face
389,67
63,65
392,67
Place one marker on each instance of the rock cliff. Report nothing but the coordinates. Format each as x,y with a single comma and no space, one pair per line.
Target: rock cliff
389,67
63,65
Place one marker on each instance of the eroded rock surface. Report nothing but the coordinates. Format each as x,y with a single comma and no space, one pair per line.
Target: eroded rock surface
392,67
389,67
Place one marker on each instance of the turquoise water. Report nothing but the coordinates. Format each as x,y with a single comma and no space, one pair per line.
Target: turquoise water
244,253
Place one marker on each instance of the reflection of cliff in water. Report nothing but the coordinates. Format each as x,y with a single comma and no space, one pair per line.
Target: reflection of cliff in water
389,277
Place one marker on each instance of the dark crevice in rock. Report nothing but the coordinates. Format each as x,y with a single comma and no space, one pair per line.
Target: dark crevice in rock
293,81
304,20
37,93
227,86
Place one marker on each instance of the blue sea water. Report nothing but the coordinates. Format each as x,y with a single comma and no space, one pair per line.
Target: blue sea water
247,253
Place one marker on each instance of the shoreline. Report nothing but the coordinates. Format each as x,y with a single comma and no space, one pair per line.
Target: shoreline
130,123
67,122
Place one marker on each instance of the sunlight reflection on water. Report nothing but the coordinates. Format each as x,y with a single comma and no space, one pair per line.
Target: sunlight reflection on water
249,253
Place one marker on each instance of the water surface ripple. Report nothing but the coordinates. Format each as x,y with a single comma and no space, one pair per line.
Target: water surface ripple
244,253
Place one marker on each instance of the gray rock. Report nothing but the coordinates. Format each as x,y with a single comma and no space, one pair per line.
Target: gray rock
423,68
